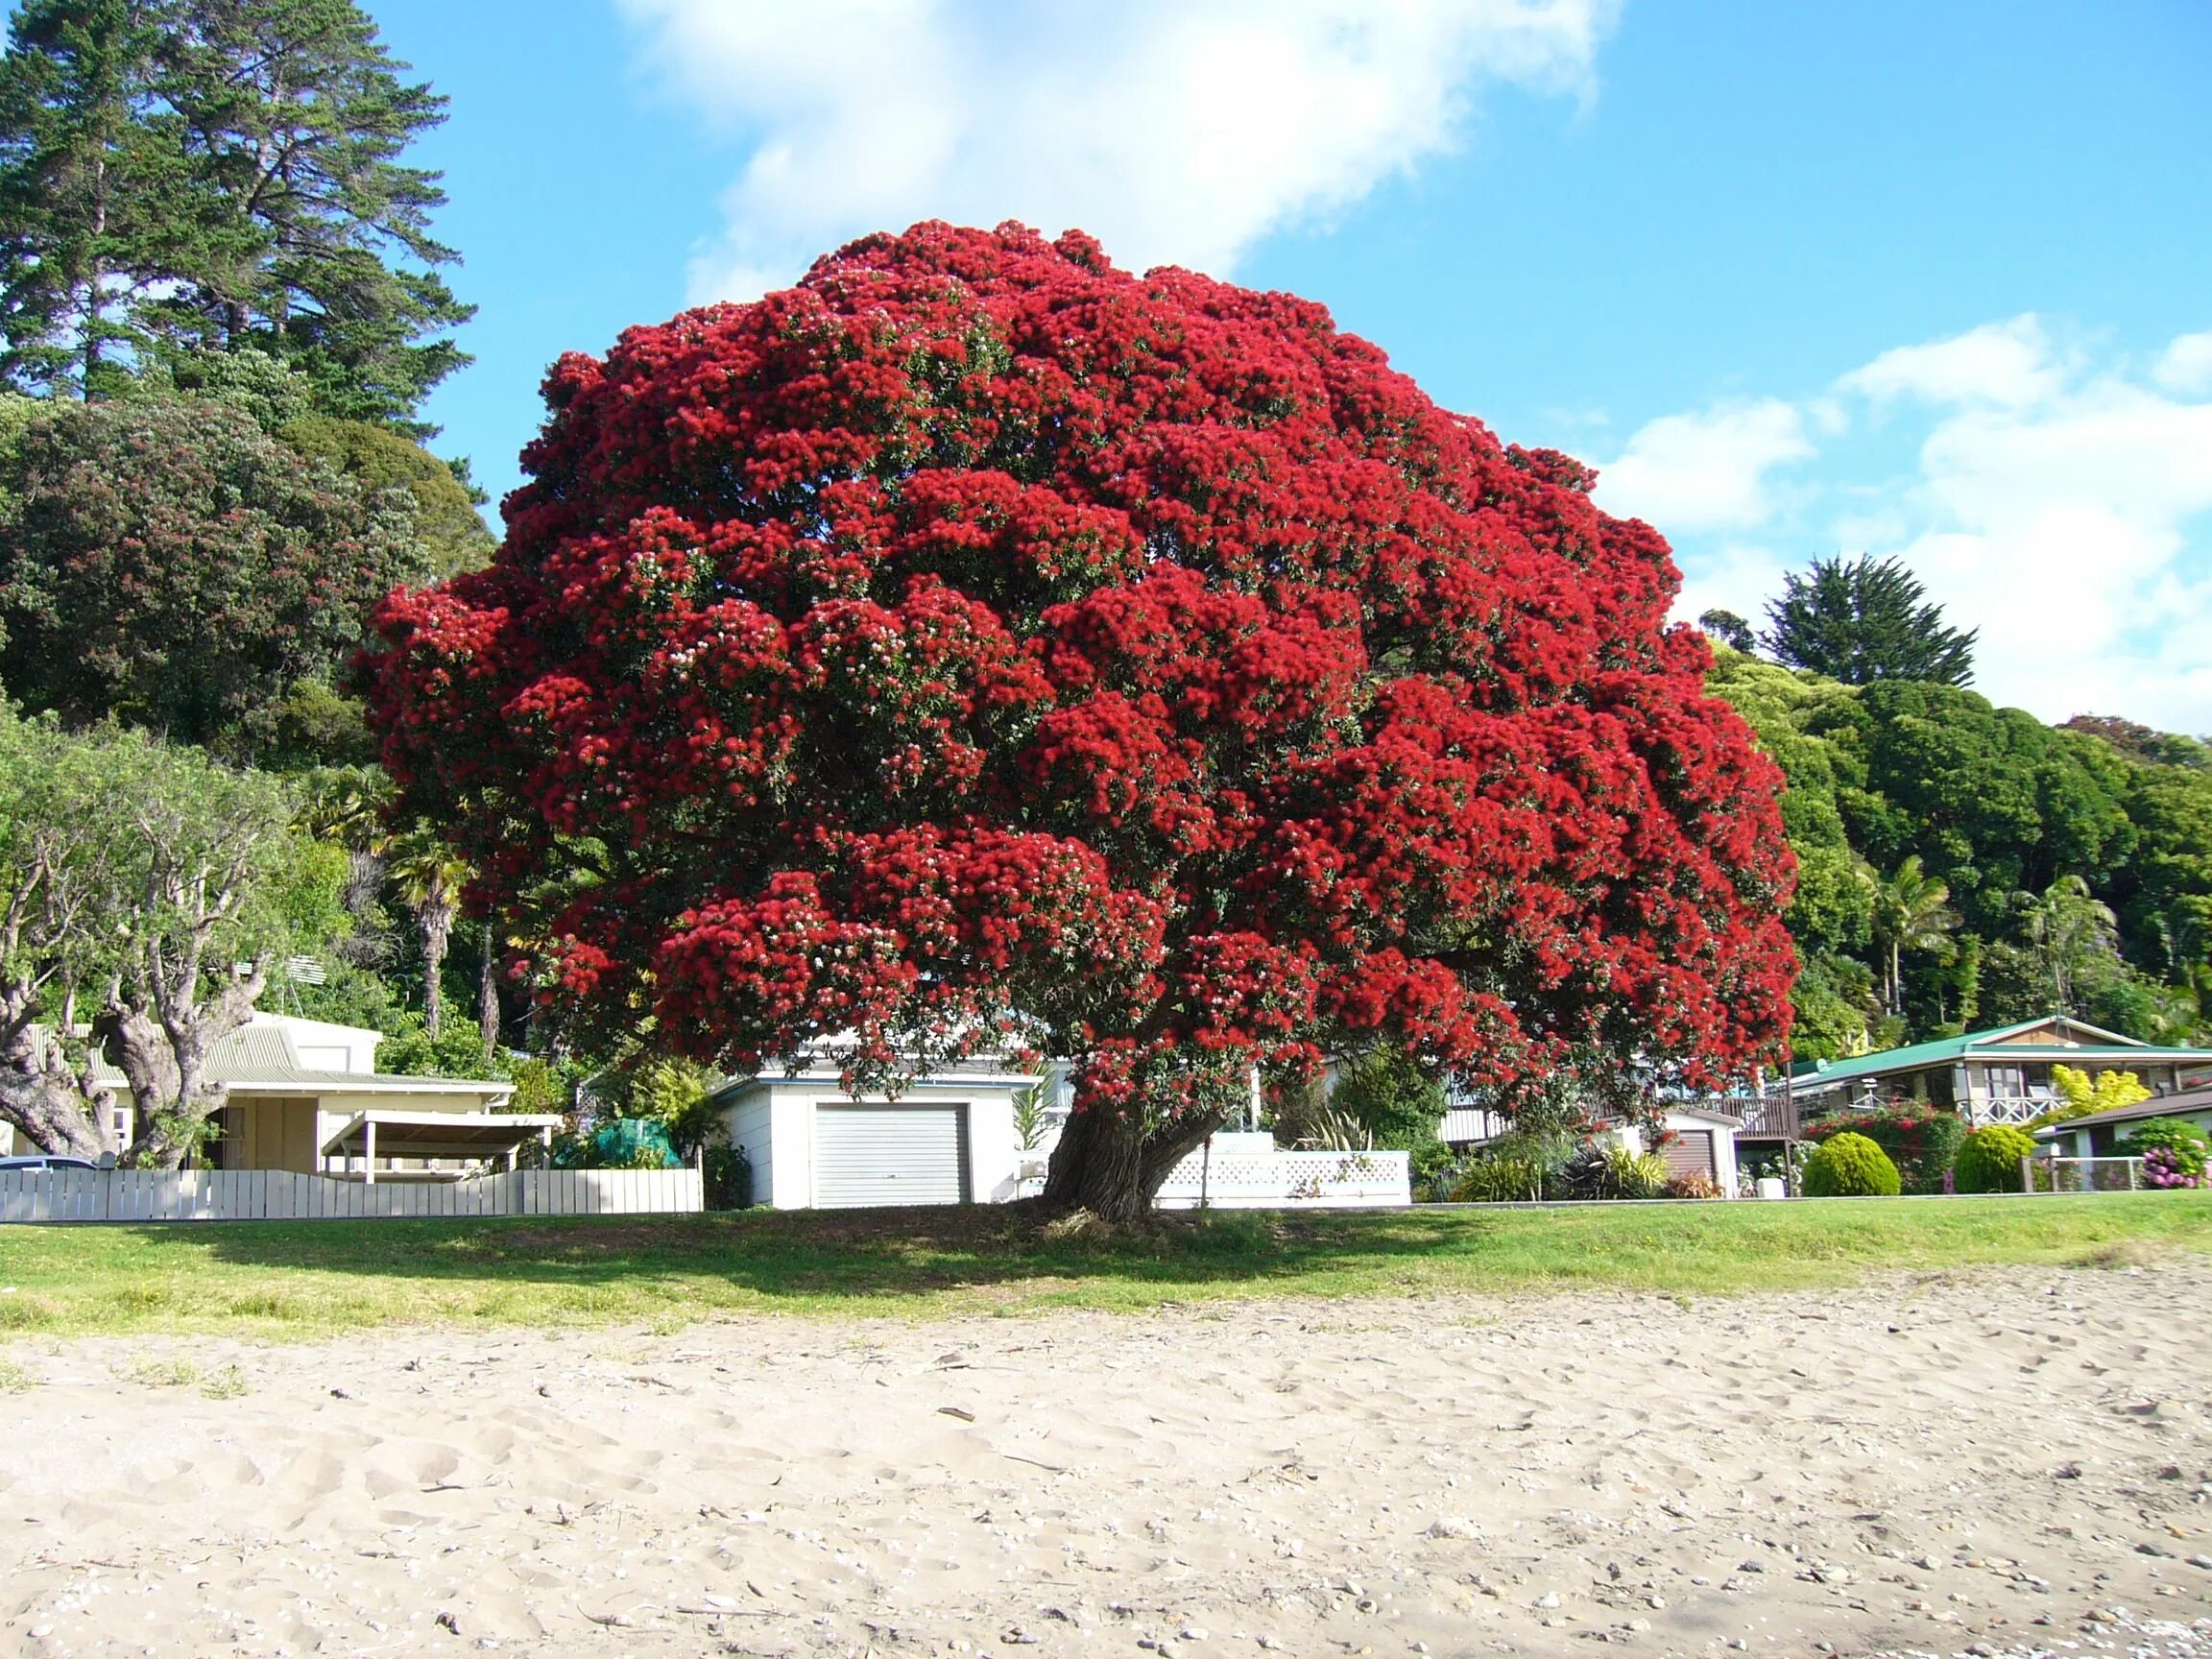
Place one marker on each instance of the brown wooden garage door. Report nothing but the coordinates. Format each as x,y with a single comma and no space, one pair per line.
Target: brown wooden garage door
1690,1153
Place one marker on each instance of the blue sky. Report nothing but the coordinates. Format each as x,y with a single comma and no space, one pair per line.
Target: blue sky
1930,279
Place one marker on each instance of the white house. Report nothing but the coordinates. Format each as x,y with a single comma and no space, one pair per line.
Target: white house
1701,1139
949,1139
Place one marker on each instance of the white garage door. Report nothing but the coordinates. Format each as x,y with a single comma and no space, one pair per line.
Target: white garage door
869,1155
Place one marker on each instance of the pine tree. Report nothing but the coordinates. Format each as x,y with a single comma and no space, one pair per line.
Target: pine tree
183,177
1864,619
315,242
88,186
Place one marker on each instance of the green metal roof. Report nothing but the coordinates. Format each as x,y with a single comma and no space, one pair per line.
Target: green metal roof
1988,1045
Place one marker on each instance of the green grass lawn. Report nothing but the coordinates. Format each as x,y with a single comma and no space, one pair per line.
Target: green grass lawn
315,1277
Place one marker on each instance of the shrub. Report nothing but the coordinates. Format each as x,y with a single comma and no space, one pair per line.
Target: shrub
1850,1166
727,1176
1693,1183
2081,1095
2189,1146
1614,1172
1509,1178
1519,1167
2162,1167
1989,1159
1921,1141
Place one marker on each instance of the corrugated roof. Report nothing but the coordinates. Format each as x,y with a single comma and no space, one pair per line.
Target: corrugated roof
1989,1045
260,1057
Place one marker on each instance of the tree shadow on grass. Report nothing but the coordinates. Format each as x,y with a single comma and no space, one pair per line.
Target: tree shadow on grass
889,1254
531,1269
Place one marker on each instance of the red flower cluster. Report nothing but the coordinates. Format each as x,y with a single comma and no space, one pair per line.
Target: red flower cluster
977,638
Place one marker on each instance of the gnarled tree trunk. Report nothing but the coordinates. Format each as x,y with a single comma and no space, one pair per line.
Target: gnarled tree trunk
1108,1164
56,1109
162,1051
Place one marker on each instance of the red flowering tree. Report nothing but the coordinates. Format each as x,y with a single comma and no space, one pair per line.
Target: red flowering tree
979,644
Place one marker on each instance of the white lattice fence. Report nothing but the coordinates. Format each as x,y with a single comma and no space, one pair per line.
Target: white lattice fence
1288,1180
45,1196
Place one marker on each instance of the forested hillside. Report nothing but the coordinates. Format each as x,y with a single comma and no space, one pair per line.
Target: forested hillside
1962,865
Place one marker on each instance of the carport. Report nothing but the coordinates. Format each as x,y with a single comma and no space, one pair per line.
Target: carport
382,1132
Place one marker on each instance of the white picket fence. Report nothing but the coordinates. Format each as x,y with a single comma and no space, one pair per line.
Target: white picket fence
282,1195
1288,1181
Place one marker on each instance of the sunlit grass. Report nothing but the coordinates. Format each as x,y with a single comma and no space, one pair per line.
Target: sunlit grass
314,1277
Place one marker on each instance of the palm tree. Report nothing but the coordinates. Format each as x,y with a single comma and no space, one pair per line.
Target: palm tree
1911,912
2067,924
430,880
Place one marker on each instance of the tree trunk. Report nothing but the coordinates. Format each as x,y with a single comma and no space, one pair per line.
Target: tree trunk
165,1055
487,996
436,915
433,974
1106,1163
51,1108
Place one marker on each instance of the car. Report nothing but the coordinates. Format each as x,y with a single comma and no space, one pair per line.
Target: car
45,1160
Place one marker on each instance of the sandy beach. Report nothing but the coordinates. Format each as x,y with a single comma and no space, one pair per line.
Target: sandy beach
1981,1464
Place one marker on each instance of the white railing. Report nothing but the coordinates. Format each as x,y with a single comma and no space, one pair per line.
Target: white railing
2051,1174
283,1195
2006,1109
1288,1180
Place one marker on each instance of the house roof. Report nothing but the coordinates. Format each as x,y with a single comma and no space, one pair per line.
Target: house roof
261,1060
2186,1105
2000,1043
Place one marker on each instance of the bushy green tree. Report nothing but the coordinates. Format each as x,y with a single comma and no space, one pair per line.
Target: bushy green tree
1850,1166
1859,620
179,177
1398,1104
171,565
377,458
155,890
1989,1159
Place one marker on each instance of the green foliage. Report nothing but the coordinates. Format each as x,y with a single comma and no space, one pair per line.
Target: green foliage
90,190
172,566
1850,1166
2191,1146
456,1051
2083,1095
2073,860
1521,1166
1832,999
546,1084
378,457
1911,913
1864,619
1922,1141
1029,1115
1990,1158
182,178
1727,628
1612,1172
1397,1105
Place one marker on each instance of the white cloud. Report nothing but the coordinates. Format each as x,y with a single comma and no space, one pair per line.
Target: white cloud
2008,364
2186,365
1735,578
2061,506
2065,532
1177,132
1705,470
